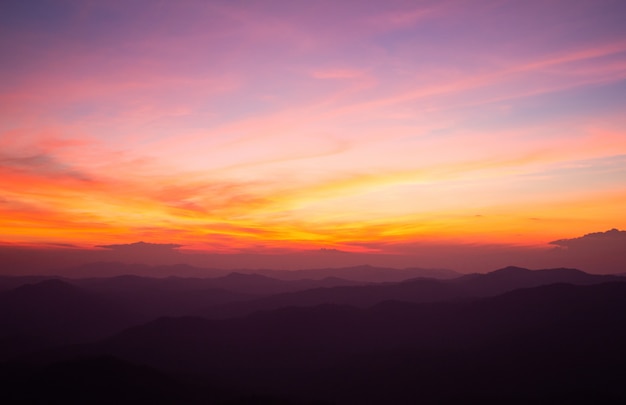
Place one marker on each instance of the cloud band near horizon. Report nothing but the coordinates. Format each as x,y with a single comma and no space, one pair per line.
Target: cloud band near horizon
283,126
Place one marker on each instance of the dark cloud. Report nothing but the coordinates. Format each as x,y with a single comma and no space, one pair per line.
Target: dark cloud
598,252
613,239
141,247
331,250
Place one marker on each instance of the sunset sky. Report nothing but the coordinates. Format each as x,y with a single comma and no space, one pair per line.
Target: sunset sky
283,126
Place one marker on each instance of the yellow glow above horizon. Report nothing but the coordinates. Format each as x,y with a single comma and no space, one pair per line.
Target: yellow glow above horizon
358,128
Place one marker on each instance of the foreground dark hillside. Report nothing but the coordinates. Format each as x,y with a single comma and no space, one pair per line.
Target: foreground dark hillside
53,312
550,344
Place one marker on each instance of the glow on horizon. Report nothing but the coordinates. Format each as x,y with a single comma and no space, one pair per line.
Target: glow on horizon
280,126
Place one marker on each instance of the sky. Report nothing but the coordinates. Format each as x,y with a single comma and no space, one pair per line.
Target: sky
256,127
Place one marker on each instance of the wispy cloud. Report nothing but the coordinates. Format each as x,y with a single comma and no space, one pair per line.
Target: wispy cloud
227,126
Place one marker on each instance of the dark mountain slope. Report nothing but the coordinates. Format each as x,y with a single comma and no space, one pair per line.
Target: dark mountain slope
518,339
422,290
363,273
240,283
55,312
511,278
415,290
11,282
546,344
400,323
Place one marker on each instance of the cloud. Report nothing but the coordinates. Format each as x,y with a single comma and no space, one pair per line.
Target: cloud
42,165
142,247
143,252
325,124
613,240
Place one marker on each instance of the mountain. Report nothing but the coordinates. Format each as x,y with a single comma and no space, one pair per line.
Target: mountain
420,290
55,312
364,273
510,278
240,283
141,299
99,380
557,342
414,290
258,284
114,269
12,282
150,298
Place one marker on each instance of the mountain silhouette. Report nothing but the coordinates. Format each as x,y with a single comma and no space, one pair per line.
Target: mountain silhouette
423,324
11,282
510,335
114,269
422,290
510,278
414,290
364,273
550,343
55,312
263,285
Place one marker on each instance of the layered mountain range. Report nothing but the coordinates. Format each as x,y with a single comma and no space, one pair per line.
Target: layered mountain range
509,335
